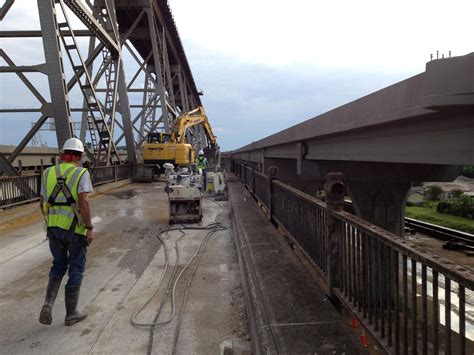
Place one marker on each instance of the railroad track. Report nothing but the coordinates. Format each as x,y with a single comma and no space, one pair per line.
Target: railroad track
455,239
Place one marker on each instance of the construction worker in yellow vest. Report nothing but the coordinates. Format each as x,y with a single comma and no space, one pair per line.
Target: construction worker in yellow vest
202,165
65,206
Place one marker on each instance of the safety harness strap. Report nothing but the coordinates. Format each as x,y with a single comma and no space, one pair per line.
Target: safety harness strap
67,199
60,180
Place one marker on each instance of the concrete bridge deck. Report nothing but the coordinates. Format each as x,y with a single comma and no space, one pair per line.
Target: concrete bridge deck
125,263
123,269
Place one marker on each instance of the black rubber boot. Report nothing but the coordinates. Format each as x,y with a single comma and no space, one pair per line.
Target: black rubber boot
72,298
51,293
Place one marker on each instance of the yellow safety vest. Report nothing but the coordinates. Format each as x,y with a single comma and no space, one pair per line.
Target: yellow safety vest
201,163
60,183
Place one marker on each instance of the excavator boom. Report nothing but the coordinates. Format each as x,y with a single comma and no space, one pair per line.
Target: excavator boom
188,120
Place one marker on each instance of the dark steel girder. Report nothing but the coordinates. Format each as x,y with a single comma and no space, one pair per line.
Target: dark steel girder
37,33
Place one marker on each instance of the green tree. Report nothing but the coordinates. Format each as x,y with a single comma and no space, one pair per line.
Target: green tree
434,192
457,193
468,171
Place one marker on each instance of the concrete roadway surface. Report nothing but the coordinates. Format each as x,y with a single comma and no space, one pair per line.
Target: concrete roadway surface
124,266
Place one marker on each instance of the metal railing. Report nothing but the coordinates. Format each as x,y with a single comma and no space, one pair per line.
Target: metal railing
106,174
19,189
15,190
304,218
410,300
261,188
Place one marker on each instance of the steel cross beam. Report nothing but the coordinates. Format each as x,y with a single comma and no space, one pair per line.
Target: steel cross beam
23,78
39,123
6,166
4,9
57,83
78,8
36,33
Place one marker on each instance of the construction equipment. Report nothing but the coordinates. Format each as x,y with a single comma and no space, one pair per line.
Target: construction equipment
184,190
161,148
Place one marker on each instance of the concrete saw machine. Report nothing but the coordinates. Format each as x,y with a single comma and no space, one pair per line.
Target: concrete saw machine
184,189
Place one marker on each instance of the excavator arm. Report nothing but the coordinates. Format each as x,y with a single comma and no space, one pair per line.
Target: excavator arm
188,120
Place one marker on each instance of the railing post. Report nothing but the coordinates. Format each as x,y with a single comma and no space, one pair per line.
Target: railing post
38,184
253,182
334,188
115,172
271,172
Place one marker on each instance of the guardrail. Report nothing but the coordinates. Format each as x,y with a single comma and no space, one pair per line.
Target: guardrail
410,300
15,190
19,189
106,174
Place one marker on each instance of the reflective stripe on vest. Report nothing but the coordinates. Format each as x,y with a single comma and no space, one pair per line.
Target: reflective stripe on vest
58,210
63,216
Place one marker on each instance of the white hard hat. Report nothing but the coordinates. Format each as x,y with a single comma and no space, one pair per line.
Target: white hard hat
201,152
73,144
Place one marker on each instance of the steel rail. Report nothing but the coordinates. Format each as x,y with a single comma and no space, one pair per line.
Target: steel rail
429,229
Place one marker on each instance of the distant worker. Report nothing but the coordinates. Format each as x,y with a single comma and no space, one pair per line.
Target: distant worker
65,206
202,164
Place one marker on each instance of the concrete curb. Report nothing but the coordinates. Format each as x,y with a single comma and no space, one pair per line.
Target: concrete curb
252,297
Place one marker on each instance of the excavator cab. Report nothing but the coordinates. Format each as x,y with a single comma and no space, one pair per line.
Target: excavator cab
158,138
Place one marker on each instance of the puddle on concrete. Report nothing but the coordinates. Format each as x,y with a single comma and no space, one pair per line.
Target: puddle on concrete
124,195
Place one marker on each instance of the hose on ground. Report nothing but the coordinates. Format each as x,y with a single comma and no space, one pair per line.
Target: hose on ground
212,228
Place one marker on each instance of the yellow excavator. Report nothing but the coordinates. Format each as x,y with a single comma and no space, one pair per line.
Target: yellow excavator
161,148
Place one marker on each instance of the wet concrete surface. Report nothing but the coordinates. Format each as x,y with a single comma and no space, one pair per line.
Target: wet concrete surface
124,264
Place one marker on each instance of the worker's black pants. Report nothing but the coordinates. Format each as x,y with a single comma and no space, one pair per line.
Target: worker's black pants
69,254
204,178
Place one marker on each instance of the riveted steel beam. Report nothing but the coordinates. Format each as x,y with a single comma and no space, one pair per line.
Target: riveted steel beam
56,77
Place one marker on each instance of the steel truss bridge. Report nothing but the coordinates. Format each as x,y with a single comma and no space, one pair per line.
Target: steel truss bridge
160,90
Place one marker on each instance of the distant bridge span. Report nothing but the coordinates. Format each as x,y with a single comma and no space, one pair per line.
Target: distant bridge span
420,129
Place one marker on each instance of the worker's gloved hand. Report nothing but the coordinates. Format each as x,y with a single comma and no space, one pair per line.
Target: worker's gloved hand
89,237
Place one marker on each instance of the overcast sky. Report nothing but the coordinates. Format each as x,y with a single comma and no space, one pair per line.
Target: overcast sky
265,65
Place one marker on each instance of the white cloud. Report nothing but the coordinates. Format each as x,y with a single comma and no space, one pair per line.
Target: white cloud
382,35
